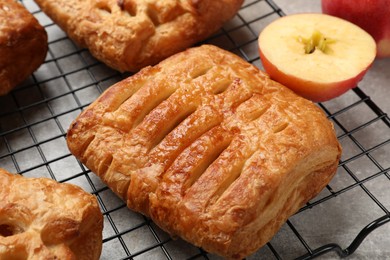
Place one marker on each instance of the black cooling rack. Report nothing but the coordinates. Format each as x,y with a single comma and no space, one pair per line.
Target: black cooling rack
348,217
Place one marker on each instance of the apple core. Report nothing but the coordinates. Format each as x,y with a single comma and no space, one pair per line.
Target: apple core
317,41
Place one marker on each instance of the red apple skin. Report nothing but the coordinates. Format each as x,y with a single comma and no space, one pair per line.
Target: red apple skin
313,91
371,15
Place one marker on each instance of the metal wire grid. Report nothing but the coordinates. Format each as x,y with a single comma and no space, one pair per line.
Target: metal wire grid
35,116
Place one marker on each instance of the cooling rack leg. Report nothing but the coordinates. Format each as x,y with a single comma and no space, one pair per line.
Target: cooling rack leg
353,246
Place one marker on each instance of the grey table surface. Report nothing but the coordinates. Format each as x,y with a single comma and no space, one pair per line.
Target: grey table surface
34,119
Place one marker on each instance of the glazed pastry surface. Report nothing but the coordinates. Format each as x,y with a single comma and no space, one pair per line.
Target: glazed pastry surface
43,219
128,35
209,147
23,44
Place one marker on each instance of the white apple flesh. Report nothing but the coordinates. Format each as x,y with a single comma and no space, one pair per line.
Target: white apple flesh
316,55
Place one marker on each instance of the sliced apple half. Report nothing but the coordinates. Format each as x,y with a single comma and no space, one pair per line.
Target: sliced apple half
318,56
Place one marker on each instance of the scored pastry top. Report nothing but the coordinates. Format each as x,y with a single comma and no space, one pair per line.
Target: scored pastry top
205,142
130,34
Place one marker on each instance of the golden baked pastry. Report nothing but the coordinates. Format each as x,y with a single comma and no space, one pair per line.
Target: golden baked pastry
209,147
43,219
23,44
130,34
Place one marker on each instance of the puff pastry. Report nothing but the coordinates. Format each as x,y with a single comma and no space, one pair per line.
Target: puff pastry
209,147
23,44
130,34
43,219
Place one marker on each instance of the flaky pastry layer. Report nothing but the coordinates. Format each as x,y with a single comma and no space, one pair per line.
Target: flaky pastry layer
130,34
209,147
43,219
23,44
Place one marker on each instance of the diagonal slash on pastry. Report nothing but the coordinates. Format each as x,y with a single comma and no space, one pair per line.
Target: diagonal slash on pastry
209,147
